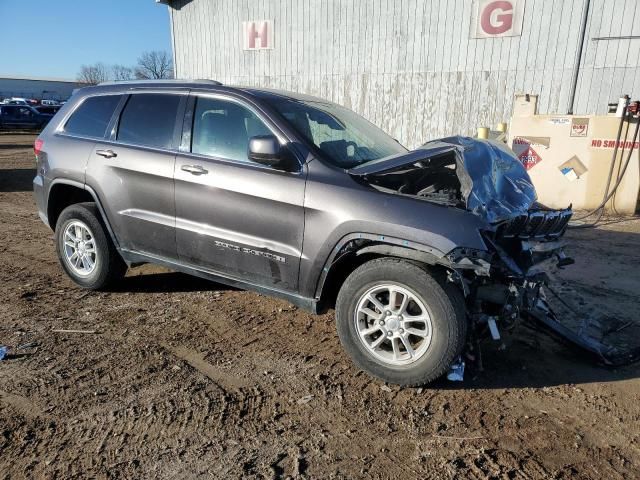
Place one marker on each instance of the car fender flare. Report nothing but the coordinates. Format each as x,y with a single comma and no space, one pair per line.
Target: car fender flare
382,245
96,199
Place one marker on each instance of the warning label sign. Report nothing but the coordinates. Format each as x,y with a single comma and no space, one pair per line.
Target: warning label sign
523,148
611,143
579,127
529,158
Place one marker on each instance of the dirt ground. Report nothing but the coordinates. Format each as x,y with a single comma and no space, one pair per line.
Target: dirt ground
188,379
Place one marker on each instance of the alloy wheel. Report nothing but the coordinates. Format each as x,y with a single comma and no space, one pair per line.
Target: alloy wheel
79,248
393,324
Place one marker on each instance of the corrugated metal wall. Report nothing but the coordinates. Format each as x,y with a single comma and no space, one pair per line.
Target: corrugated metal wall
409,66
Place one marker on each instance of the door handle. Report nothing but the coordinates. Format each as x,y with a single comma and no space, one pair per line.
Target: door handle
106,153
194,169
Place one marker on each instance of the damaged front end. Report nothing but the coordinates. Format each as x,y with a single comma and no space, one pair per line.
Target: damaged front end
510,280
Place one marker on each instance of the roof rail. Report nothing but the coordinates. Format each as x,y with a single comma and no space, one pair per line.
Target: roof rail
169,81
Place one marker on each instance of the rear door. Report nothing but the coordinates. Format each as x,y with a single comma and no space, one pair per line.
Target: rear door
133,171
233,216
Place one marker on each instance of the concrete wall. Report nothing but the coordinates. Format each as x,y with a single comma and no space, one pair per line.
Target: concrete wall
32,88
410,66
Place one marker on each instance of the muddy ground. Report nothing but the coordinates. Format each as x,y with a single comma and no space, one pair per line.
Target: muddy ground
188,379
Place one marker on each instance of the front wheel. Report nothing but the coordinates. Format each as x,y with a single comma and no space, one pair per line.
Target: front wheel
398,323
84,248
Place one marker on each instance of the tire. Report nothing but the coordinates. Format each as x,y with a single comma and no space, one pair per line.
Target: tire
432,354
99,253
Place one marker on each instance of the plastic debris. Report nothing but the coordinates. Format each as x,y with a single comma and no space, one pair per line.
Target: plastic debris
305,399
3,352
493,328
456,372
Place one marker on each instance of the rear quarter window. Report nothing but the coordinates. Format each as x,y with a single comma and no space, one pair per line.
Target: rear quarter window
92,117
149,119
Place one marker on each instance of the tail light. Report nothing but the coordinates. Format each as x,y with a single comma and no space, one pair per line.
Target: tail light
37,146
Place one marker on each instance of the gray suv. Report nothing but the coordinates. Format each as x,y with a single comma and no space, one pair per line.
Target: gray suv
421,253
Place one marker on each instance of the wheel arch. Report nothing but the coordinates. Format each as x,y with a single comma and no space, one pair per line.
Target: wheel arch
65,192
358,248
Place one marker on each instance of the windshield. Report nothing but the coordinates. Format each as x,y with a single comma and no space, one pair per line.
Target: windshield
346,138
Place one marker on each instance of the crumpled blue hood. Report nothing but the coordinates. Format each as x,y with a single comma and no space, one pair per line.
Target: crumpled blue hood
494,182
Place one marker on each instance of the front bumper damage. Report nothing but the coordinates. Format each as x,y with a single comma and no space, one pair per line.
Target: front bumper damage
512,282
499,297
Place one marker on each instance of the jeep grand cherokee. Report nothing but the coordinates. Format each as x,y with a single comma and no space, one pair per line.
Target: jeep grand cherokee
420,252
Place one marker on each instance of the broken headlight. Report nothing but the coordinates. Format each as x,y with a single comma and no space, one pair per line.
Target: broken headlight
471,258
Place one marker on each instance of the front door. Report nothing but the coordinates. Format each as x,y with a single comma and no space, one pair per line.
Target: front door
233,216
134,172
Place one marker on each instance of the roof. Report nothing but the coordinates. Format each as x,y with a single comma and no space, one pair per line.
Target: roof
164,82
129,85
199,85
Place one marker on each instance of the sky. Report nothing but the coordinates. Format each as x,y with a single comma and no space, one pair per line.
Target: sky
53,38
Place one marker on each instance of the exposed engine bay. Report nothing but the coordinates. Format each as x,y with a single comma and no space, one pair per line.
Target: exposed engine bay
509,281
434,179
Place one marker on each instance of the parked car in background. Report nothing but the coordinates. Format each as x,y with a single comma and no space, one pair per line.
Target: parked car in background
51,103
14,117
48,109
15,101
20,101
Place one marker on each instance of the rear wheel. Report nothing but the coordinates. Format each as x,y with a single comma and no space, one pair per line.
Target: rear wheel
84,249
398,323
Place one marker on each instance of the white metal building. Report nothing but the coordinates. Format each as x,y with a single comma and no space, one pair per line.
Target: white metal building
418,68
37,88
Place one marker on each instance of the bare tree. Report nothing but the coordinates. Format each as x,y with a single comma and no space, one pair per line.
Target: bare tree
153,65
93,74
120,72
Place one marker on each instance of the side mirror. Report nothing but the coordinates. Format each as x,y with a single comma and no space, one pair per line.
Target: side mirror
266,150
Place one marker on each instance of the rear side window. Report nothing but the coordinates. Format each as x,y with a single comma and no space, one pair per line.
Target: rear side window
92,117
149,119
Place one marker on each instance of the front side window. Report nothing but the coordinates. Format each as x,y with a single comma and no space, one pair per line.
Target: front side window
92,117
346,138
149,119
222,129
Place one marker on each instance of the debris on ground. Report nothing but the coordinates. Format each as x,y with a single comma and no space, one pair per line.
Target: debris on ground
456,372
305,399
